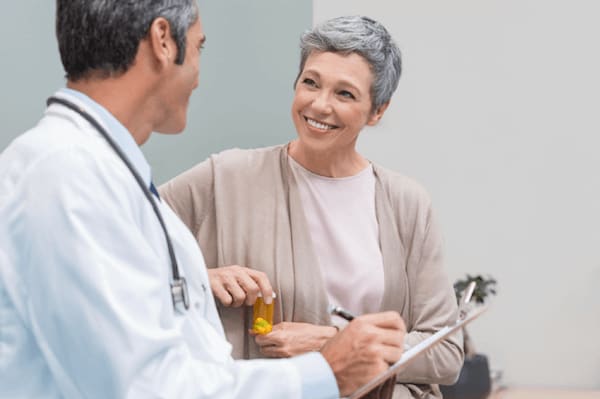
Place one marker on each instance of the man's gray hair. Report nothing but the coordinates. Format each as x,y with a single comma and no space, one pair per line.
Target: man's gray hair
103,36
365,37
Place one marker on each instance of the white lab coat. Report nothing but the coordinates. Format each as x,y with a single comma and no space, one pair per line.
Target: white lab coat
85,305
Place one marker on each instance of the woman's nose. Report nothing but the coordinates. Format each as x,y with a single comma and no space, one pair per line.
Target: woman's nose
322,102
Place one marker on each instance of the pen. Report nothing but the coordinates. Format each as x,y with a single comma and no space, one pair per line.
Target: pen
343,313
468,293
465,299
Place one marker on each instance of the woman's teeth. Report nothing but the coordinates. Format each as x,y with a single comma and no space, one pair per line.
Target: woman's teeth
318,125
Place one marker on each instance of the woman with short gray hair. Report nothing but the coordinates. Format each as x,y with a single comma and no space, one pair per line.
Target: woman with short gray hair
325,225
365,37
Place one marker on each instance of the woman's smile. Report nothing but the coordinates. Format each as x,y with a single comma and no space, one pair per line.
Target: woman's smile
318,125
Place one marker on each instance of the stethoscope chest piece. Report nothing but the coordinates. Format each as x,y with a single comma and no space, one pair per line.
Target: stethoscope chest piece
180,295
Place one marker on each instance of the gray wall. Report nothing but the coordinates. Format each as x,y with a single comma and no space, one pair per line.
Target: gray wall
497,115
247,69
30,70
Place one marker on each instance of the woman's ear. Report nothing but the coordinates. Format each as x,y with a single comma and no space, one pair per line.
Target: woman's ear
162,45
377,114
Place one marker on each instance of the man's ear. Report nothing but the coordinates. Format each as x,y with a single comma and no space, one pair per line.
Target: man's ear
377,114
162,45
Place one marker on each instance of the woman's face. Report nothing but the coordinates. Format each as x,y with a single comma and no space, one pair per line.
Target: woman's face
333,101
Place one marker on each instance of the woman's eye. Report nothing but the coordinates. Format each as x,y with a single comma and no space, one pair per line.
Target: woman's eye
309,82
347,94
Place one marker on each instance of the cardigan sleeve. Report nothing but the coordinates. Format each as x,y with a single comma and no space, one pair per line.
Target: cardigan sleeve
432,303
432,307
191,196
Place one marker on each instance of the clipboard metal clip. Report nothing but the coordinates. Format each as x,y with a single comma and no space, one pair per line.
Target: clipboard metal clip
466,314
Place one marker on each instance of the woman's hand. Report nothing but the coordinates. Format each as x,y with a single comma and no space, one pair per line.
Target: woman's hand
236,285
289,339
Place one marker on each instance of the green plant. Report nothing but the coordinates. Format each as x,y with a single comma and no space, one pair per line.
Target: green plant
474,381
484,287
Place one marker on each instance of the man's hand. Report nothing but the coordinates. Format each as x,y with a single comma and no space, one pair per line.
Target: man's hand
236,285
365,348
291,338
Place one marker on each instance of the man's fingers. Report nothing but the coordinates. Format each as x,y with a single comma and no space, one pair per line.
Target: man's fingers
264,285
388,320
238,295
384,330
222,295
236,285
248,285
391,338
391,354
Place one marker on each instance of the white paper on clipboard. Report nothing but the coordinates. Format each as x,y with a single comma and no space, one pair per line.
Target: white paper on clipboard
415,351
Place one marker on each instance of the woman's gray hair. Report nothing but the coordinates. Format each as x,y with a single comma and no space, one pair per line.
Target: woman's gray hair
365,37
103,36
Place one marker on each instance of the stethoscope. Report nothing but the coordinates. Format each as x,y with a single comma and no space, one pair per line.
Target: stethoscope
179,291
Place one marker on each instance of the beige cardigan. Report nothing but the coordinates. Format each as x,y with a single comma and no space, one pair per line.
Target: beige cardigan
244,208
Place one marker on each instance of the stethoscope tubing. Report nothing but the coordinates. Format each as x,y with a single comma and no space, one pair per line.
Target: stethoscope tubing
179,291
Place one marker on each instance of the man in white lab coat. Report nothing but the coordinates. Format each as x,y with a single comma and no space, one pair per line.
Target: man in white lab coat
103,291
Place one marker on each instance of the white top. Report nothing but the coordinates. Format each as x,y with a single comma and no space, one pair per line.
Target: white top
343,226
85,304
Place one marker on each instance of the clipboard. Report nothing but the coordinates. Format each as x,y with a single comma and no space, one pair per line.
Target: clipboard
411,353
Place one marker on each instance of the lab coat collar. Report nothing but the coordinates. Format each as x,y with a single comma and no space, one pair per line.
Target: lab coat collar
115,129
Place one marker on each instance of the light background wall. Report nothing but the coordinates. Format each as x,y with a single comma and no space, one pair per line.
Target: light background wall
247,70
247,73
497,115
30,68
